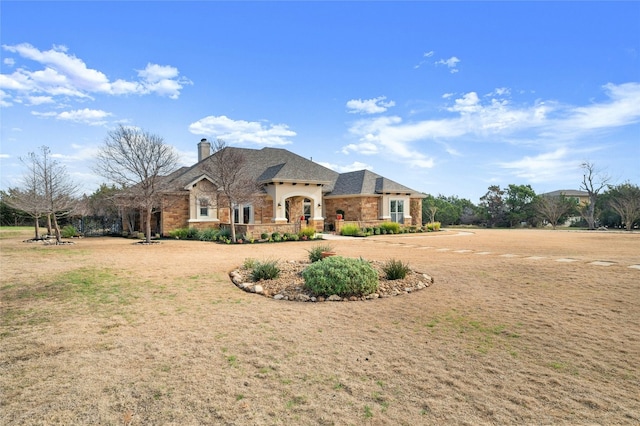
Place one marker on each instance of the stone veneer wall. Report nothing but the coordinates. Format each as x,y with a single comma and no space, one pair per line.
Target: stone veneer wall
175,213
416,211
362,209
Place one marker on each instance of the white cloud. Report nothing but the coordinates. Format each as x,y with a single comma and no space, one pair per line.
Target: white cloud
369,106
451,63
92,117
424,55
9,62
39,100
365,148
622,109
545,167
355,166
544,125
5,99
242,132
66,75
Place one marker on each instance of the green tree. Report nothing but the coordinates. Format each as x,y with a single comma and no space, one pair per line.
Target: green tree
493,206
519,204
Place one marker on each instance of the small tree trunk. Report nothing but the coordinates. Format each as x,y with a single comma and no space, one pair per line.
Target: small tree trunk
56,229
148,226
49,224
37,228
233,228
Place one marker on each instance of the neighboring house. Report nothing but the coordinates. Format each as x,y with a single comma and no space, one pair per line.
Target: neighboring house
296,192
580,197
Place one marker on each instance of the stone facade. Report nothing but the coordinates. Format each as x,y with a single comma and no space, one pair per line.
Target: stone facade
175,213
416,212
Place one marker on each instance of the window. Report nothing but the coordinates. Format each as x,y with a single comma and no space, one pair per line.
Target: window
203,207
306,209
397,211
246,216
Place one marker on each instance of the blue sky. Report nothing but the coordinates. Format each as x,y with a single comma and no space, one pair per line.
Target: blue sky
444,97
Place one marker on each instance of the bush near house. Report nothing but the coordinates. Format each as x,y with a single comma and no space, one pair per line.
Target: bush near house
341,276
390,228
433,226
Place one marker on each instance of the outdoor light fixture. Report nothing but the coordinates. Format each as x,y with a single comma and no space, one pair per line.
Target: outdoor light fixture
279,205
319,205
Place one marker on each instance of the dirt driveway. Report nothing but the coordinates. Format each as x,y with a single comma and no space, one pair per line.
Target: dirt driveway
520,327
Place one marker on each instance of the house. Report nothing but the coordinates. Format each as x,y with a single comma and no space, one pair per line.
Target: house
581,198
294,192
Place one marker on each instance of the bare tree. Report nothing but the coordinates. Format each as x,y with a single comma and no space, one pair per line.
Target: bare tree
229,169
593,181
47,191
137,160
59,190
554,208
625,200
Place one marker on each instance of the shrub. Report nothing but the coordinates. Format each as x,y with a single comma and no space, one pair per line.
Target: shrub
179,234
249,263
433,226
315,254
395,269
69,231
224,234
341,276
193,234
276,235
209,234
267,270
390,227
264,236
350,230
307,232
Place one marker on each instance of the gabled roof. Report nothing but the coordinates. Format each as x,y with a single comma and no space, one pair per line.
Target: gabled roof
567,193
365,182
265,165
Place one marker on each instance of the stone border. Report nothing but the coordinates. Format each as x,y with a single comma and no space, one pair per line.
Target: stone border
249,287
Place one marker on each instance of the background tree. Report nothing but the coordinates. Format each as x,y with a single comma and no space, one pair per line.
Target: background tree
625,200
59,190
554,209
98,213
493,207
519,204
229,169
10,216
593,181
136,161
46,190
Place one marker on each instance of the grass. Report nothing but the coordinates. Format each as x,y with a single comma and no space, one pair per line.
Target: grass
482,337
98,339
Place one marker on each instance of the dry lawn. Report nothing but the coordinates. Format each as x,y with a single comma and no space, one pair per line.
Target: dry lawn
520,327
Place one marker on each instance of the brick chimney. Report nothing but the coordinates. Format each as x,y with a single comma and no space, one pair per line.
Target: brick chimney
204,149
